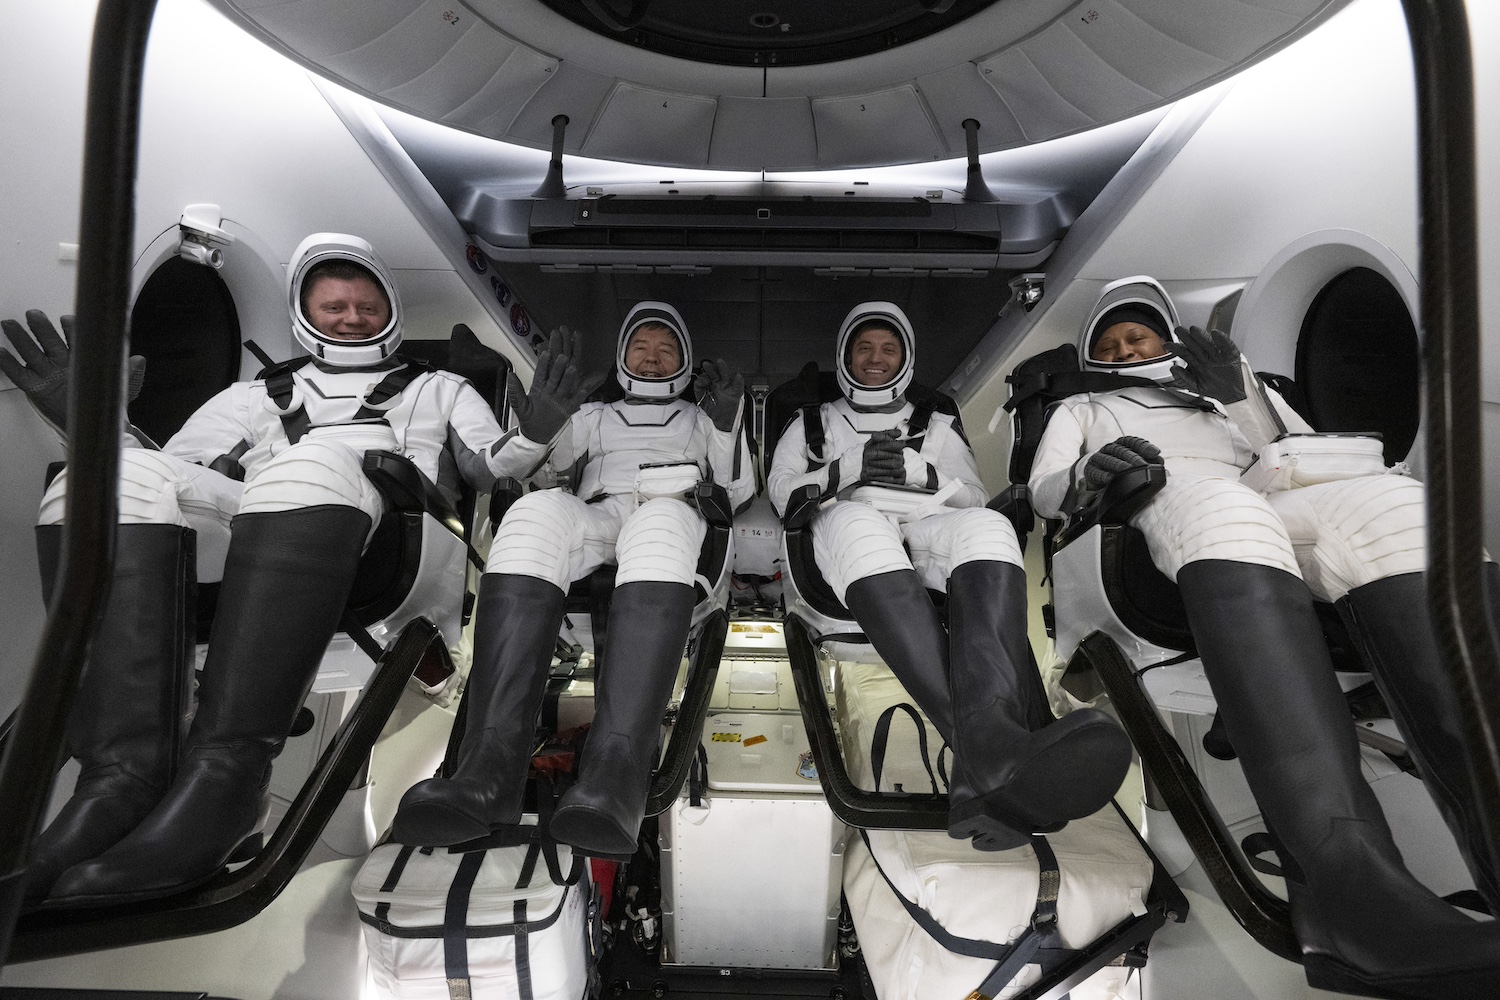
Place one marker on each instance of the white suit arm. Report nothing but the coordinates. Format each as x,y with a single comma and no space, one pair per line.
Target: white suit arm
1058,467
478,444
218,428
945,458
789,467
729,458
1290,417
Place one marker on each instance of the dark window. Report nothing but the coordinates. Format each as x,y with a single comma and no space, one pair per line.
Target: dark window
1359,362
185,324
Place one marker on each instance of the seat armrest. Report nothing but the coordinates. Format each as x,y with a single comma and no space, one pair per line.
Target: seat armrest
713,503
1014,504
801,506
408,490
1117,503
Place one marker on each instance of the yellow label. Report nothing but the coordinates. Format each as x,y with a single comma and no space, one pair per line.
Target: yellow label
726,737
753,740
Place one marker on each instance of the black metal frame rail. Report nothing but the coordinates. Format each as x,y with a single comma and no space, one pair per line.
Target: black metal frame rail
1447,167
1265,916
96,402
687,730
850,803
235,897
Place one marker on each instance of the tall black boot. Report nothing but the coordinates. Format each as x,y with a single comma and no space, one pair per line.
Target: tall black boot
517,619
1007,769
1365,924
1390,622
602,813
286,580
1024,764
126,724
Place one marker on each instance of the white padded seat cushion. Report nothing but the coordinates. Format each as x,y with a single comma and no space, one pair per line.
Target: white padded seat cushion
975,894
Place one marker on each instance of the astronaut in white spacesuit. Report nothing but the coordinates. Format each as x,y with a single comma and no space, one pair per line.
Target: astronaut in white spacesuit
633,462
1249,566
262,488
1016,770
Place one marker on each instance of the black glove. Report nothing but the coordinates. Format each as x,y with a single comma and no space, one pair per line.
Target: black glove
1117,458
557,390
883,460
1213,364
42,371
719,389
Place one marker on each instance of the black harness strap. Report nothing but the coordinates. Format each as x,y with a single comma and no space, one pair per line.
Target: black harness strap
523,949
455,926
383,910
812,434
390,387
279,386
882,736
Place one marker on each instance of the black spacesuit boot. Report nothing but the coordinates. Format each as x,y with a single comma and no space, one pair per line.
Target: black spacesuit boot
648,628
1389,620
1007,768
286,580
1024,764
1365,924
516,622
132,701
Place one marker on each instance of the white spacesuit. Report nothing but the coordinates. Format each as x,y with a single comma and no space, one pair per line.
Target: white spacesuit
1337,535
1248,566
632,463
285,542
1011,777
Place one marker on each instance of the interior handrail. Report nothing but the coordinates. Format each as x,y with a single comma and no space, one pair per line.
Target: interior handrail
1447,165
96,405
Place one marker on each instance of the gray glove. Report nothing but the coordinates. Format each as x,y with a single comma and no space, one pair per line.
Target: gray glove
719,389
1213,364
881,459
557,390
1116,458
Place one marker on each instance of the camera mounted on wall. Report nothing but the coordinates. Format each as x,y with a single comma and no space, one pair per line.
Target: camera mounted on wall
203,236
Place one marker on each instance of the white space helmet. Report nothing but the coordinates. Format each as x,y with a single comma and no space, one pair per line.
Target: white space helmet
320,248
876,395
1138,299
643,387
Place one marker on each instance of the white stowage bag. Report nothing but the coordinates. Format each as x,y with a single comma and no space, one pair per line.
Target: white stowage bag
973,894
403,898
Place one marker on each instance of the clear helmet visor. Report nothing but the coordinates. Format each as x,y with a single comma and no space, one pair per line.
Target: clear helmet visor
341,256
1140,301
868,316
653,321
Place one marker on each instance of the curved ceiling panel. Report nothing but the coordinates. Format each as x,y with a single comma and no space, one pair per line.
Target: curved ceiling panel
1027,70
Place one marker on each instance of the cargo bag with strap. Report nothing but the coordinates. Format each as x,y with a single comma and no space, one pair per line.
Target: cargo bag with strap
512,921
935,917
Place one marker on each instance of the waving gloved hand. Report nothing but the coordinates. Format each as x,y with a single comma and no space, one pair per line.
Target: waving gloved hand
557,390
42,371
1116,458
719,389
1213,364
